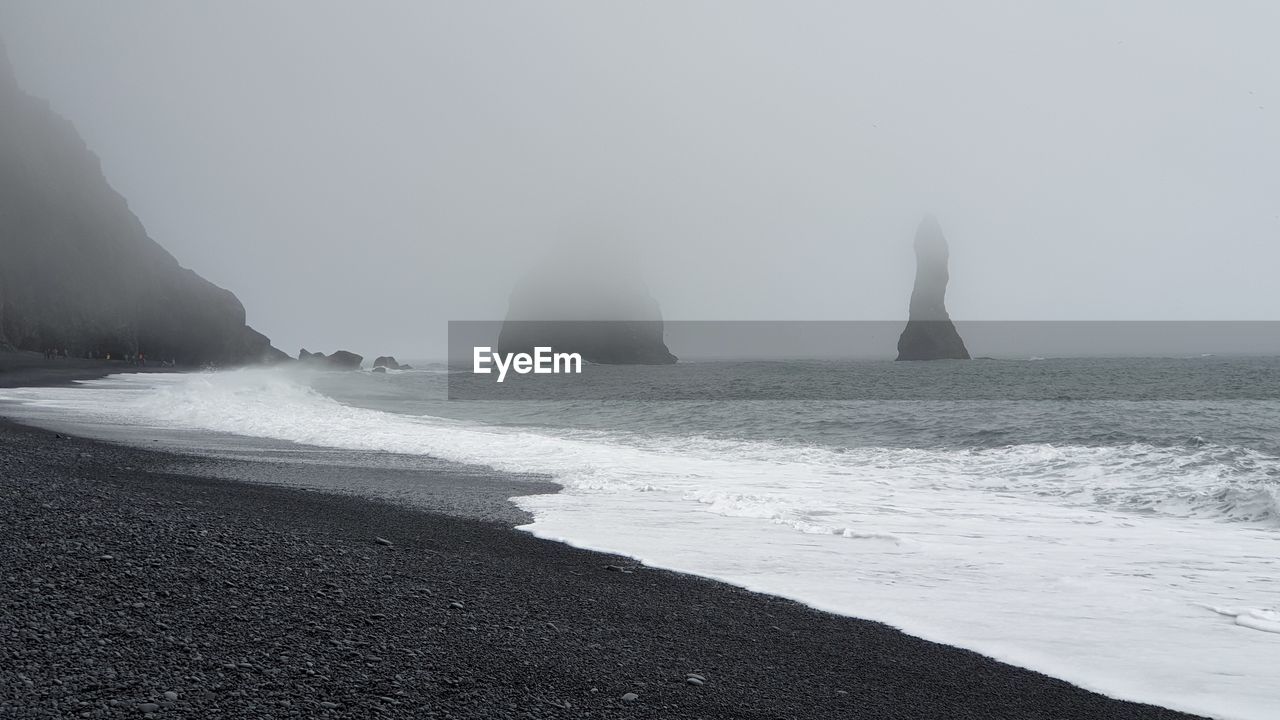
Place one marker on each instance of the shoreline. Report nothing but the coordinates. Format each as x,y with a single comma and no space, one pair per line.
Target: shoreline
129,581
23,368
248,594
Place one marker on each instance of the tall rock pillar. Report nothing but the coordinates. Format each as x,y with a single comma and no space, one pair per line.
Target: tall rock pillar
930,334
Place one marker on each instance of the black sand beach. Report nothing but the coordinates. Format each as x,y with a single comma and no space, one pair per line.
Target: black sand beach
24,368
128,589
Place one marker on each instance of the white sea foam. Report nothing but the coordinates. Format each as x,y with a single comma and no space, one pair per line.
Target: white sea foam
1099,565
1253,618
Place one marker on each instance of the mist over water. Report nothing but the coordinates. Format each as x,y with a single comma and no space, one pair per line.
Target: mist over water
1127,546
359,174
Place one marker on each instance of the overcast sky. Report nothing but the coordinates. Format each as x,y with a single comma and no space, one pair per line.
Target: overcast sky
360,173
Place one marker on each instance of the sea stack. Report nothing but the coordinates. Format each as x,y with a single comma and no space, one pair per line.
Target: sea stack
339,359
580,302
78,272
930,334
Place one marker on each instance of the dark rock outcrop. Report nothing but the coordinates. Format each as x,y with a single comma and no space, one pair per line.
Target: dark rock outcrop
930,334
78,271
345,360
606,342
340,359
387,361
601,311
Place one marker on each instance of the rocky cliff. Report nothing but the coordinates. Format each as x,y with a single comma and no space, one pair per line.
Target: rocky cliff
77,269
588,305
930,334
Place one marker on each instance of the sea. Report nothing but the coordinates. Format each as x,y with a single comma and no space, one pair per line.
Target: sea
1127,542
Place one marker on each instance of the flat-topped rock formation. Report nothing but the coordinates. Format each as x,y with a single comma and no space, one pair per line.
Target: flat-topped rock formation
339,359
930,334
78,272
600,310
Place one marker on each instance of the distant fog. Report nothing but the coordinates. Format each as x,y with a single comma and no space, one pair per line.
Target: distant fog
361,173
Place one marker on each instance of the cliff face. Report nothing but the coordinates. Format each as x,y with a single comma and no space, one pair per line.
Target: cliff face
77,270
588,306
930,334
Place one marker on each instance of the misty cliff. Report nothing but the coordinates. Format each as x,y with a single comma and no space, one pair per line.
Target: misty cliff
593,307
930,334
77,269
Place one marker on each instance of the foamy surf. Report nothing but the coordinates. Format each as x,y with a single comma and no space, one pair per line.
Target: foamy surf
1093,563
1253,618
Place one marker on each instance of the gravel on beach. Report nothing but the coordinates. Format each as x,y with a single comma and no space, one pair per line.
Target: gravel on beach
130,591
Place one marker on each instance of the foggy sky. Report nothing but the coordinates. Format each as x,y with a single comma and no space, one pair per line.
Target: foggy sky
358,174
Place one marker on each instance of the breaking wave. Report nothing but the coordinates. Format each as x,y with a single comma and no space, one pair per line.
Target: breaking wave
1060,556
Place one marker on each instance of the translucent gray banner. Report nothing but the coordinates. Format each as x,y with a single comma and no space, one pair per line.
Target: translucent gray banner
833,360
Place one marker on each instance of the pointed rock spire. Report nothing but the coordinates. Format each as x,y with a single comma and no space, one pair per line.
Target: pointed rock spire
930,334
